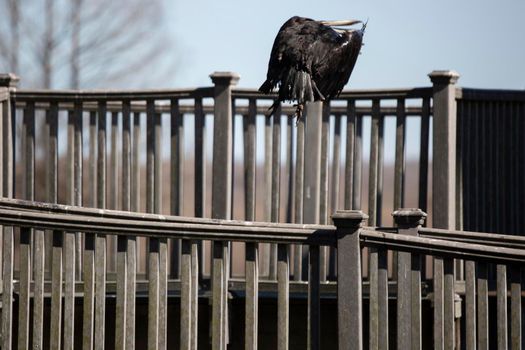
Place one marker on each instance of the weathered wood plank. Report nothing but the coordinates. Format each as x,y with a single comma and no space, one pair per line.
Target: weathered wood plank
501,289
399,163
470,304
349,293
275,185
69,289
251,249
314,300
153,294
298,196
217,334
100,240
185,297
7,292
55,335
121,295
483,306
252,296
283,298
88,307
382,295
24,289
323,186
439,302
448,299
350,169
515,307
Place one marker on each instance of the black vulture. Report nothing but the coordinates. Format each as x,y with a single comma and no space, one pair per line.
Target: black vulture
312,60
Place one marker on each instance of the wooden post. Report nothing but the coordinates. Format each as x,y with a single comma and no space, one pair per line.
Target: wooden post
444,149
312,198
349,283
444,195
221,198
408,222
8,83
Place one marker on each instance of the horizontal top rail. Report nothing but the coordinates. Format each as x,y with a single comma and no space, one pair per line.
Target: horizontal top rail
73,218
490,94
108,95
494,239
441,247
139,106
349,94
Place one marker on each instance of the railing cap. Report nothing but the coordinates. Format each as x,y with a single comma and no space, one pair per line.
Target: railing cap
225,78
9,80
409,217
444,77
349,218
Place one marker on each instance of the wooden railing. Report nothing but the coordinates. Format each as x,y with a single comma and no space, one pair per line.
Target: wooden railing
348,236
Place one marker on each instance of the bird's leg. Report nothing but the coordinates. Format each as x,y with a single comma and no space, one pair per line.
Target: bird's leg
298,112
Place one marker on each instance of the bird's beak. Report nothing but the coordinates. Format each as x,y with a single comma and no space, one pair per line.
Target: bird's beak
348,22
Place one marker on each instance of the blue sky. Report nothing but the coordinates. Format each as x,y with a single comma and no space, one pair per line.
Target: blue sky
405,40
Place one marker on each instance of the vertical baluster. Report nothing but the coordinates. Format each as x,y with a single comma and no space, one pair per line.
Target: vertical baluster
470,304
423,155
268,146
501,288
283,298
252,258
373,252
126,268
25,238
314,299
153,253
56,250
299,198
290,175
275,180
399,166
7,188
185,297
515,307
88,272
336,173
323,188
358,163
73,192
163,241
448,299
100,240
177,176
483,308
350,170
439,302
113,175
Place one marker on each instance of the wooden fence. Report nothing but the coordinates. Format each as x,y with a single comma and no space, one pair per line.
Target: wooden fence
212,152
348,236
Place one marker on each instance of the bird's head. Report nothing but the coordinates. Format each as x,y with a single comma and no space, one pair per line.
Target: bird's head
339,25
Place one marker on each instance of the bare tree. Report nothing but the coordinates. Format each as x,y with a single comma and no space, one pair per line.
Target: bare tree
85,44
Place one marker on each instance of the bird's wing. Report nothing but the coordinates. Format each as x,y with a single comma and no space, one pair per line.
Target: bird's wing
331,72
290,50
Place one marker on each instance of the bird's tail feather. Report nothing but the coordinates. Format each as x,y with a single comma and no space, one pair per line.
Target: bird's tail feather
296,86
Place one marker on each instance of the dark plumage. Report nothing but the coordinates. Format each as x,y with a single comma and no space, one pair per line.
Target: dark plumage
311,60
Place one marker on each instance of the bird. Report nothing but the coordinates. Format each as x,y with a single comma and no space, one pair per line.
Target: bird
312,60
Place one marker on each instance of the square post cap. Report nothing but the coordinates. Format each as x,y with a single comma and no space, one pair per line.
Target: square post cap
225,78
9,80
443,77
409,217
349,218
